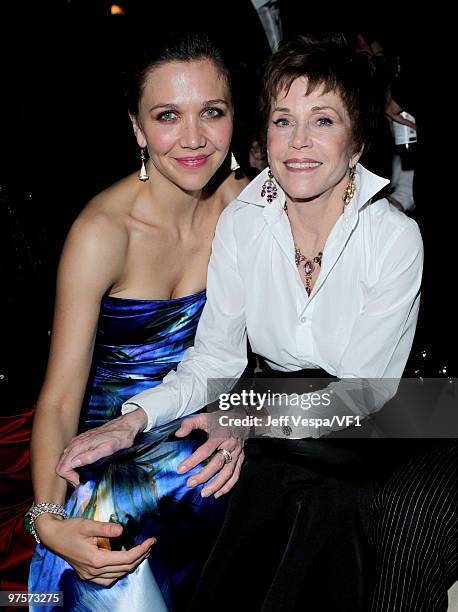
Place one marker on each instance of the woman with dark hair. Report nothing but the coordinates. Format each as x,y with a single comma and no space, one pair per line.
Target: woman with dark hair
324,280
130,291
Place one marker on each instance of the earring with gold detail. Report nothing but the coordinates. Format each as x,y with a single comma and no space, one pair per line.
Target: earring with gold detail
351,187
143,174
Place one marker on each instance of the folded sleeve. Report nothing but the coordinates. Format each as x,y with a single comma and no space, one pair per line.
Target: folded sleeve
219,350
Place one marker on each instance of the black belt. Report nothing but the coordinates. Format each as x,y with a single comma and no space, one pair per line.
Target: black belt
268,372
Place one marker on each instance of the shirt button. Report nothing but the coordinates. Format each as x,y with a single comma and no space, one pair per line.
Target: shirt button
303,319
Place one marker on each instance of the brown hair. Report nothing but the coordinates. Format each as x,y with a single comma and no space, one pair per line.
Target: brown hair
172,47
335,64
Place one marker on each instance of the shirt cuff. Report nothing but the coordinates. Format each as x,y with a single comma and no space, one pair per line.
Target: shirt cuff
131,406
158,402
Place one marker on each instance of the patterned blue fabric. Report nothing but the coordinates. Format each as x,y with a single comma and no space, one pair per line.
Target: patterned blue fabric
138,342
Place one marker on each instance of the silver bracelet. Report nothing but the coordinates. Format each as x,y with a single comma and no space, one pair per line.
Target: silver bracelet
37,510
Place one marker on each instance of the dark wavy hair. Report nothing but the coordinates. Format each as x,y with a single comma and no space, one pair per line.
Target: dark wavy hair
173,47
329,61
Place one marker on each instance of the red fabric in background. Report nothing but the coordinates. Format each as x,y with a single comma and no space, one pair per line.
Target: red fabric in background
16,547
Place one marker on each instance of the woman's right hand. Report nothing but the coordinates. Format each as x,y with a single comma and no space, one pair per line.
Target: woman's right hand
99,442
77,541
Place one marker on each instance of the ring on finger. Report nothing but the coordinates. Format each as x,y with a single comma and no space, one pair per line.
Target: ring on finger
226,454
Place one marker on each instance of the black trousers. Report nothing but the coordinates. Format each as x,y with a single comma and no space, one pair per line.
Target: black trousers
295,535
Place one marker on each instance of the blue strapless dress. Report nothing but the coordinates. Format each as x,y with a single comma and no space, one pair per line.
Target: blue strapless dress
138,342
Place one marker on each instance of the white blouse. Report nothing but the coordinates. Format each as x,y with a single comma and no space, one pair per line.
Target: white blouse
358,322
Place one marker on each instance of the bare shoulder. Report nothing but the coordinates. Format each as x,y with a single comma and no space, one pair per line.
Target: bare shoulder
230,188
104,218
99,236
97,230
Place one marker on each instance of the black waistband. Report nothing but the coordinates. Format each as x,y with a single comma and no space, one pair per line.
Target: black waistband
268,372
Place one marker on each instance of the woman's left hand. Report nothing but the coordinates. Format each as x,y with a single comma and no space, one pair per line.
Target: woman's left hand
229,471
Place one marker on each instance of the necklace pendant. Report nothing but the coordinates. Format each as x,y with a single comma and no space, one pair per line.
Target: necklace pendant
308,290
309,267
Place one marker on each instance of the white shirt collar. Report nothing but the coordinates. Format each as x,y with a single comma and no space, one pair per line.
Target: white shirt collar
367,186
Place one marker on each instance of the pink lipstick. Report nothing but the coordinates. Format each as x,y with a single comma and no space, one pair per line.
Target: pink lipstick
196,161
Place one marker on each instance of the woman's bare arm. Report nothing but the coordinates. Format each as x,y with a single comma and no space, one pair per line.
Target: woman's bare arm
89,265
92,260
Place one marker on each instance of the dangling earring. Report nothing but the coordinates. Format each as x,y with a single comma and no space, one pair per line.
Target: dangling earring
269,187
143,174
234,163
351,187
